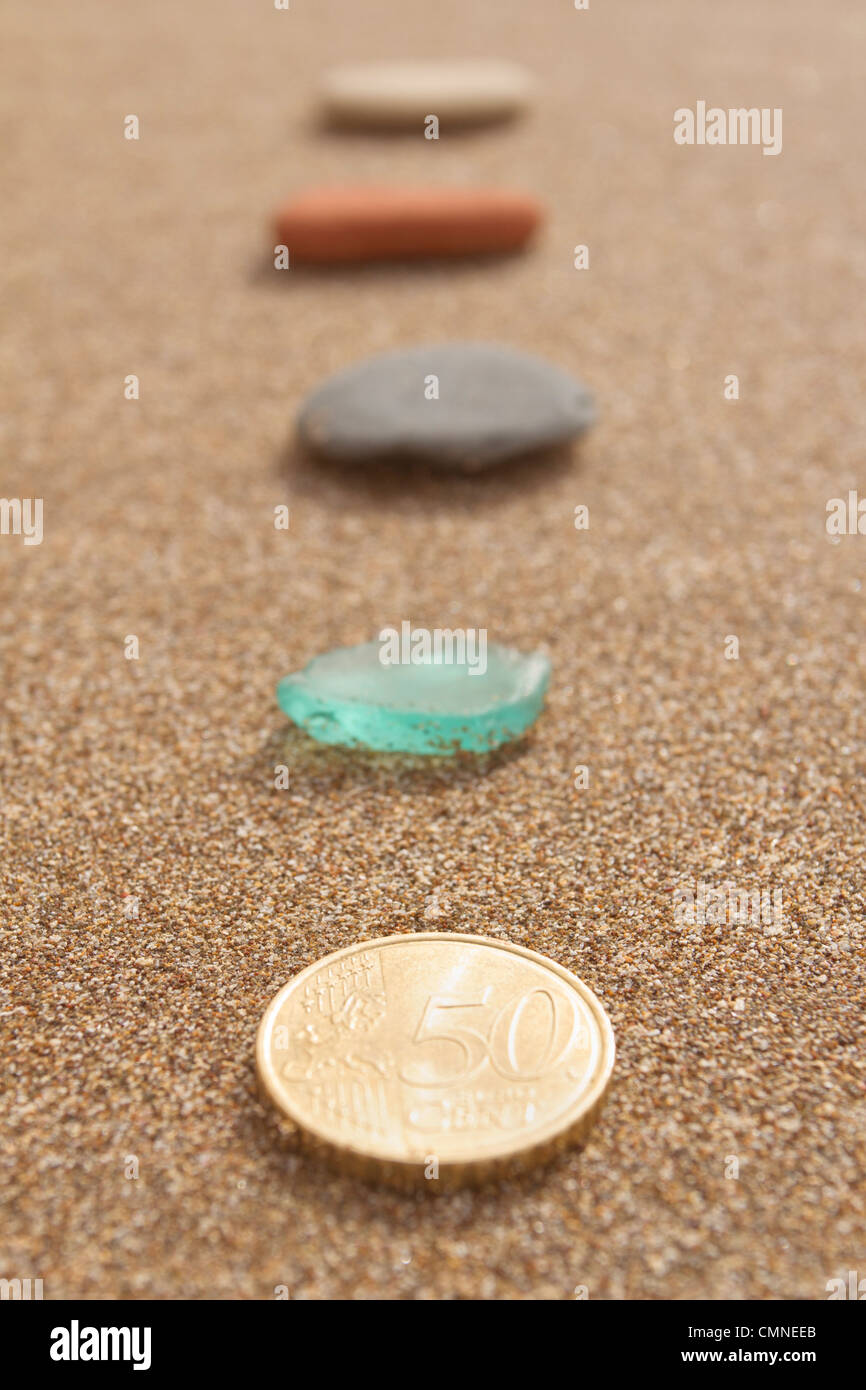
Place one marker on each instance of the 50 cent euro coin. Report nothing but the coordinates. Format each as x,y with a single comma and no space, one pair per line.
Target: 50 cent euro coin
436,1059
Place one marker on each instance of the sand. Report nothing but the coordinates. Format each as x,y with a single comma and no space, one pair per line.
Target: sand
147,785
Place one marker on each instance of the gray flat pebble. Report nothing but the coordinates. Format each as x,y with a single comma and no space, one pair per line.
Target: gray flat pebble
466,406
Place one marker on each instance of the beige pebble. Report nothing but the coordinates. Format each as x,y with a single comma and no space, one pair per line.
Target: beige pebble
464,91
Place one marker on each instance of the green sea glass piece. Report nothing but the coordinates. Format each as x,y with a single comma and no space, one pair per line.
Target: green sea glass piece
349,697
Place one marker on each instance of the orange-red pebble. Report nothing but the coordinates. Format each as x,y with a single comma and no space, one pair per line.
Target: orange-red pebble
327,225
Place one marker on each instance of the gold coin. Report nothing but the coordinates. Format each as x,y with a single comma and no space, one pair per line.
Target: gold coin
435,1059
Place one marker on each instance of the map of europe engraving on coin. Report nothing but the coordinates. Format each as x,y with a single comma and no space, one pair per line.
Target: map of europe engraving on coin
436,1058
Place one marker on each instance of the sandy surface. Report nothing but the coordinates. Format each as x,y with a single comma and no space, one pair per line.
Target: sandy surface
150,782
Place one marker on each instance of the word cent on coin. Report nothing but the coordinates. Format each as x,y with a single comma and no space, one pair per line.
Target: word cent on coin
436,1058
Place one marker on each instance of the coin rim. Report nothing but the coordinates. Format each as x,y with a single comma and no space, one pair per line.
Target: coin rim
571,1118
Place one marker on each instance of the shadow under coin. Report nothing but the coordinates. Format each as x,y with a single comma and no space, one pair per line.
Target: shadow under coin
319,1175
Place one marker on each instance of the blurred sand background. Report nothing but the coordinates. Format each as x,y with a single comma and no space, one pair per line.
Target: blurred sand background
154,779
